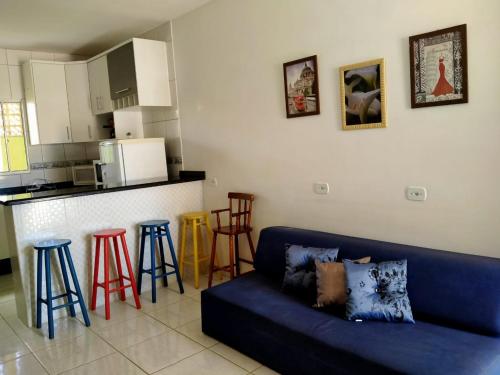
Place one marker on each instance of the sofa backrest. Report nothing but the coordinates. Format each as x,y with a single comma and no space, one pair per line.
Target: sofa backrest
444,287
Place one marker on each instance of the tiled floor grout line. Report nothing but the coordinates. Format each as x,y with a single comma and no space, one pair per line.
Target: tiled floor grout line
88,363
141,314
29,348
117,350
227,359
174,363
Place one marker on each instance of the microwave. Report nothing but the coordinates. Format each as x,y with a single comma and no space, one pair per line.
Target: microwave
83,175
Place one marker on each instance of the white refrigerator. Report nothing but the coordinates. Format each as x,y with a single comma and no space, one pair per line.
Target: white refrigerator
132,160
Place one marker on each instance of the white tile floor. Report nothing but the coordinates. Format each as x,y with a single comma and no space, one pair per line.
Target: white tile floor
163,338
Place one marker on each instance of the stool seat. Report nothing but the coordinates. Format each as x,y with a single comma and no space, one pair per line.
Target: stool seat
232,230
107,233
51,244
194,215
154,223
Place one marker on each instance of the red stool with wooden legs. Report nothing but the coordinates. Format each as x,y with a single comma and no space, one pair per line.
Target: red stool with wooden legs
240,219
105,236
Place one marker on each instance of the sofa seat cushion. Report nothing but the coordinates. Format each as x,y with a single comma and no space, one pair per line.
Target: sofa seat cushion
291,337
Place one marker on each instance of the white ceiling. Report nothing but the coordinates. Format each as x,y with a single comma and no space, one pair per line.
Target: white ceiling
84,27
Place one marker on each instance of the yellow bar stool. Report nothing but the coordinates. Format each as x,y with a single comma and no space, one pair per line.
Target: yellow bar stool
195,220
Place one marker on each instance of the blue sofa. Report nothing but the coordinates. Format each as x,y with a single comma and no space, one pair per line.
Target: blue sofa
455,299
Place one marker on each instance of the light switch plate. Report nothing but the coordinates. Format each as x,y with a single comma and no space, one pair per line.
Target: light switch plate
416,193
321,188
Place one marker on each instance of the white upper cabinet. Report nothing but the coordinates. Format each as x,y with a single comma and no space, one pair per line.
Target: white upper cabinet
46,102
84,125
138,74
64,99
99,86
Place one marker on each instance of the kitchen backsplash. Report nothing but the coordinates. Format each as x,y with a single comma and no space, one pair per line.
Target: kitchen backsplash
53,163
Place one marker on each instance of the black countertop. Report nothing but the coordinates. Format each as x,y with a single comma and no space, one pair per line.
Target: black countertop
10,197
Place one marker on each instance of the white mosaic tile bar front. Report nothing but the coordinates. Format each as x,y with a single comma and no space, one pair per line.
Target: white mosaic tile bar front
78,218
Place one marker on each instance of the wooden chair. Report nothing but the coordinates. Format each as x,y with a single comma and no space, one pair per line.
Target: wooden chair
240,219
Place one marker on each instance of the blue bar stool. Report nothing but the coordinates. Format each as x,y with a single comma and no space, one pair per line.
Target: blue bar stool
156,230
46,247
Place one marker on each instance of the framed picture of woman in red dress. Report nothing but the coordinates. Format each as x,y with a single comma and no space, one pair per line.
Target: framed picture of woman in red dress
438,67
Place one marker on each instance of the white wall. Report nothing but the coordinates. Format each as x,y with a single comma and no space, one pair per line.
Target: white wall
229,57
11,89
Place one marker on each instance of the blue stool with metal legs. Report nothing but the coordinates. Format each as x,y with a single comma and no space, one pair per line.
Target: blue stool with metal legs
156,230
45,248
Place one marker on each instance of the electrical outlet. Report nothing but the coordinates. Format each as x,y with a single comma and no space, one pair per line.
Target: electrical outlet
321,188
416,193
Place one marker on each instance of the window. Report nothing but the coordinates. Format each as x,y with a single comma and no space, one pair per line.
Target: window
12,139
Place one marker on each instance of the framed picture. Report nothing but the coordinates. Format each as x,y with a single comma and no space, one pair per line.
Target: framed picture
362,95
301,87
438,67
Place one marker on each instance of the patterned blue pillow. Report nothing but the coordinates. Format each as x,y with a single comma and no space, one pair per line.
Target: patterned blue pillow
377,292
300,274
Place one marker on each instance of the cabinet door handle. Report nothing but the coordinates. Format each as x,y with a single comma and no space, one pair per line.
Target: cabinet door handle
90,131
123,90
98,101
67,132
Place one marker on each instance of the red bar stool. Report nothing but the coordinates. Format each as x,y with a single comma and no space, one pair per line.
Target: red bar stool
106,235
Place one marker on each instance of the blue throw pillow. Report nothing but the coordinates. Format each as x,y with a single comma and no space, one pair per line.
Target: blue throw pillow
300,274
377,292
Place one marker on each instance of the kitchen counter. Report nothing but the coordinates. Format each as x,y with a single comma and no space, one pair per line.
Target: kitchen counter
10,197
76,213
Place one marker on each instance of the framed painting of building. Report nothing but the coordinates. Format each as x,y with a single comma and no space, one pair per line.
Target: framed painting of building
301,87
362,95
438,67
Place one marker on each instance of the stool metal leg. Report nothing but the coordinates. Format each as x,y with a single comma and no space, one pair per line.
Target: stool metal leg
130,272
162,256
66,281
96,273
153,264
39,275
119,267
174,260
48,294
77,286
106,278
141,261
